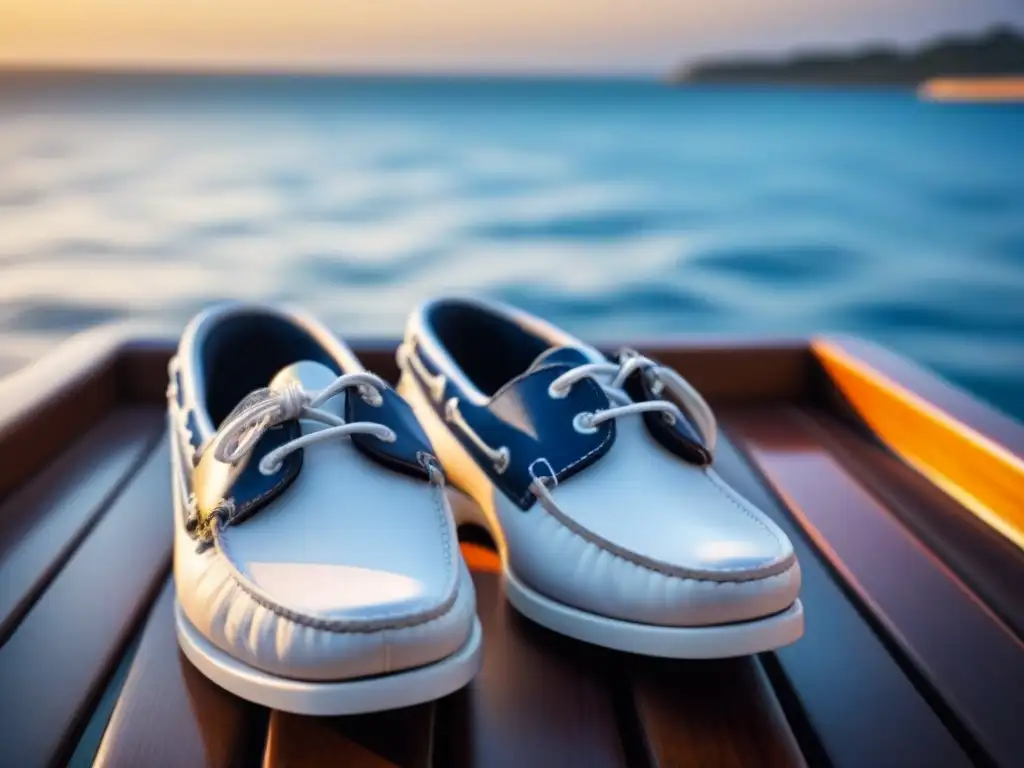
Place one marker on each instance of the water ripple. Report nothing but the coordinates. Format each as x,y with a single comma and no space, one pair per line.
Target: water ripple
614,208
595,226
338,270
20,198
792,266
976,199
52,316
651,300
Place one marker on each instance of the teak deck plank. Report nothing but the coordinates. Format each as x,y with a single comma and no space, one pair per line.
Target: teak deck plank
56,662
51,402
710,714
861,707
540,700
922,605
168,714
400,738
44,520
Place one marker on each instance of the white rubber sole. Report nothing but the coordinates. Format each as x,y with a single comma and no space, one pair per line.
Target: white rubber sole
710,642
350,697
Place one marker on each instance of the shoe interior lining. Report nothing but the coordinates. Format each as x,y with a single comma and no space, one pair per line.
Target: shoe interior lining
490,349
244,352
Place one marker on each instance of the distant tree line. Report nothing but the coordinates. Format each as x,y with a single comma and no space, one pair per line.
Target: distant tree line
999,52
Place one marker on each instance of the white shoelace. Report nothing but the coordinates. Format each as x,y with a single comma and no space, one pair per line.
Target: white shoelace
664,379
236,438
587,423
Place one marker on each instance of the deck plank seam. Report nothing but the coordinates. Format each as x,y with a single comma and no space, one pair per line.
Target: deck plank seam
637,750
130,644
9,626
793,711
110,685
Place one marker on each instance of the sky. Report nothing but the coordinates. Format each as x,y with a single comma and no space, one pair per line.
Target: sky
462,36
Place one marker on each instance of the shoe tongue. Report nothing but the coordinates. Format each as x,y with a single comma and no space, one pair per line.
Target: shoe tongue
566,356
312,377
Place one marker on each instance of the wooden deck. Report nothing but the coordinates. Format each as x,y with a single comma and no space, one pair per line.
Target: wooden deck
914,595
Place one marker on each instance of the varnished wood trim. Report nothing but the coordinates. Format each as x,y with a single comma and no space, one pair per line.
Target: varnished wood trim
907,375
142,369
49,403
840,674
733,370
921,605
971,452
724,370
169,714
56,663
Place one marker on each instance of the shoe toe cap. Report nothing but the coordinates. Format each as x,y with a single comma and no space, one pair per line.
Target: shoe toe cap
327,607
690,552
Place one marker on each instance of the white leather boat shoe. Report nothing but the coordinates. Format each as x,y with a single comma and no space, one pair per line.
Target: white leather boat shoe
315,556
596,479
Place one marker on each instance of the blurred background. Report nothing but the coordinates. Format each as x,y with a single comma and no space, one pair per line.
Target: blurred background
628,170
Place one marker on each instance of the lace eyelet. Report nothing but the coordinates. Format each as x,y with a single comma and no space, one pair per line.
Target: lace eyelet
557,394
372,397
583,423
430,463
548,477
669,418
502,462
390,437
271,470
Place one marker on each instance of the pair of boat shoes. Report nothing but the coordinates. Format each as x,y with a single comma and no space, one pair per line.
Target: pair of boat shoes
316,558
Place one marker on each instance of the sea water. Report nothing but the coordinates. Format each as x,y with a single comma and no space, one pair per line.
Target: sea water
619,209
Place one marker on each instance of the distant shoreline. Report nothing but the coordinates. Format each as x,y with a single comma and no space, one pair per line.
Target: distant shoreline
977,62
35,81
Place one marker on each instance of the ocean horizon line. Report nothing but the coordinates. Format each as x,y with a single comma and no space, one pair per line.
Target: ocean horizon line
371,73
51,74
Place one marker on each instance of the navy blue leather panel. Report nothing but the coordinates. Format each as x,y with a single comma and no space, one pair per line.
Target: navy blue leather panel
252,489
403,455
682,437
535,428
